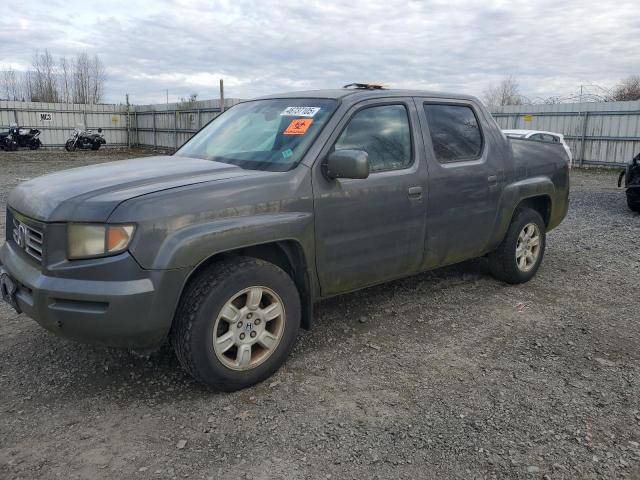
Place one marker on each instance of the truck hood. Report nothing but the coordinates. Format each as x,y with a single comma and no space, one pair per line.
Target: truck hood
90,194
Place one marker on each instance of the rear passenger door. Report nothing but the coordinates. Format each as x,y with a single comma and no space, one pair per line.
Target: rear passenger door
464,183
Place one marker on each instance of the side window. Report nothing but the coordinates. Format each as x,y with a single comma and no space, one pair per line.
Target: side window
384,133
536,136
455,132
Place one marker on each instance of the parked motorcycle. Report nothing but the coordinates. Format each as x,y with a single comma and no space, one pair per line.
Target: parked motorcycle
26,137
8,141
631,176
85,139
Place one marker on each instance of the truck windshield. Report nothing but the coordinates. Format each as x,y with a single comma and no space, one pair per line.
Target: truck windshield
262,134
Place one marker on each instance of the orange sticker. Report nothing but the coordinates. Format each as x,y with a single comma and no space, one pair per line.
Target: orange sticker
298,126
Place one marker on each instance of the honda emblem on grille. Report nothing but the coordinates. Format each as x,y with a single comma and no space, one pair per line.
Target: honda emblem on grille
20,235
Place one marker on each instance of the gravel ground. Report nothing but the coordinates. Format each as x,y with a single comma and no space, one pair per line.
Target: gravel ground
448,374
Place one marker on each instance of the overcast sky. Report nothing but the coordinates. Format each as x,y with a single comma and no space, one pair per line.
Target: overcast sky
268,46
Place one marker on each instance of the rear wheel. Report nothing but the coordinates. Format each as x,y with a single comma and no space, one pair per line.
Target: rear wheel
634,204
518,257
35,144
236,323
95,146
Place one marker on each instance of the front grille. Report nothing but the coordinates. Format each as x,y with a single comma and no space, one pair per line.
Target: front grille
29,238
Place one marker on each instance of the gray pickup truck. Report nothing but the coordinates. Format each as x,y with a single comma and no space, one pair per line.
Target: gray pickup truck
224,247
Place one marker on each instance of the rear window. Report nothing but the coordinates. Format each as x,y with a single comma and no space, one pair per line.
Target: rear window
455,132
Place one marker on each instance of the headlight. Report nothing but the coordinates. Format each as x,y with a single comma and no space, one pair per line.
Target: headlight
94,240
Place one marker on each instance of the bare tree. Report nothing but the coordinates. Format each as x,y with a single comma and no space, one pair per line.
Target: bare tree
80,80
98,79
43,78
89,77
81,74
507,92
627,89
66,80
10,85
190,102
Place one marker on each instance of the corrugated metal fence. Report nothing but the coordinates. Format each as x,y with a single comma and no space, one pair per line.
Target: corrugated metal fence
162,125
597,133
57,120
171,125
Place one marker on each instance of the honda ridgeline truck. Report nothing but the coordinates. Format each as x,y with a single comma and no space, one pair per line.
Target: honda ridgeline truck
223,247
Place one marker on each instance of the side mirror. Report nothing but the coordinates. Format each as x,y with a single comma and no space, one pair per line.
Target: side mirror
99,130
348,164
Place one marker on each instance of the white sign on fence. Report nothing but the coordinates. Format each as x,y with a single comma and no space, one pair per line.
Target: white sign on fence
46,117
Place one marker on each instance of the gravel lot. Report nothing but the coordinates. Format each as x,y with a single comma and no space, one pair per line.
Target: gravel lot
449,374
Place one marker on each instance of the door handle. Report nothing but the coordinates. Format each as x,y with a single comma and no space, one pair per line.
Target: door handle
415,192
492,181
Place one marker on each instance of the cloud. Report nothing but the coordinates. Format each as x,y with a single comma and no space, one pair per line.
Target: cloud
262,47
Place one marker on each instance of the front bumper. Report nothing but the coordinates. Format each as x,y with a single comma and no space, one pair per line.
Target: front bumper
132,313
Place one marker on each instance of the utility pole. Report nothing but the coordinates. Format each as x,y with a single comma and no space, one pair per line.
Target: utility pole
221,96
167,99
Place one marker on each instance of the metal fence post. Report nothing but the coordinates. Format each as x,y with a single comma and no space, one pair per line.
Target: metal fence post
175,129
128,123
135,119
155,142
585,121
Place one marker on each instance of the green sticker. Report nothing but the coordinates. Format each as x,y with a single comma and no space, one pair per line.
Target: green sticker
287,153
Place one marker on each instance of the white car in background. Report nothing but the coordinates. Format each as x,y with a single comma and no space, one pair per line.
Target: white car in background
541,136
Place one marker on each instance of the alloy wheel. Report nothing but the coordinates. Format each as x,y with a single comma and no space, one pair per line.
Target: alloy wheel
249,328
528,247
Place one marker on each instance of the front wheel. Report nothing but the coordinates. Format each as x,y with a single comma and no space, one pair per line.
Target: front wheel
518,257
236,323
70,146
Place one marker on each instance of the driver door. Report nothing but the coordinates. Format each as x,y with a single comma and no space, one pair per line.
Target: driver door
372,230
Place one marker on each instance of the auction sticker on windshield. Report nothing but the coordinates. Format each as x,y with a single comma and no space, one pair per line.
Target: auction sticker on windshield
301,111
298,126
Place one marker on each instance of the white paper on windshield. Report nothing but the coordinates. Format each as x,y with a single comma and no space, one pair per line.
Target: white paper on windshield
300,111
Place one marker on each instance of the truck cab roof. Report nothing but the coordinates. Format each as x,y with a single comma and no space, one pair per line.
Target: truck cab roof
358,94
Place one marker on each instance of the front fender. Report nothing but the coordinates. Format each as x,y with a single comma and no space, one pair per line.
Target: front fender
192,244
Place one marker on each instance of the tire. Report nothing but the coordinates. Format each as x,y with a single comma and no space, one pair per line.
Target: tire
35,145
69,146
505,264
95,146
633,205
204,313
